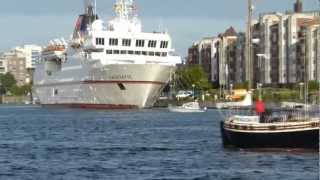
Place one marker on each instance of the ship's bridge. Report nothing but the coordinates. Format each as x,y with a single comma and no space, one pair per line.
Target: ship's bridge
129,47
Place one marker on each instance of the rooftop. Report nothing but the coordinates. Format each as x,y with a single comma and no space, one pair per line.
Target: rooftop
230,32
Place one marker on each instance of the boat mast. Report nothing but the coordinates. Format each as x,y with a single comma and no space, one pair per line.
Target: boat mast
249,46
306,73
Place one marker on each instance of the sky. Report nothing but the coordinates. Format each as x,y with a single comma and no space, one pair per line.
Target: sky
39,21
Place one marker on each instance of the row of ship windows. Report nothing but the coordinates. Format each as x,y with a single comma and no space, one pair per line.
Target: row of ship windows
144,53
127,42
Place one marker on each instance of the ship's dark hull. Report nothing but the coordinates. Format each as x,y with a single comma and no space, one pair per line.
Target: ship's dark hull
308,139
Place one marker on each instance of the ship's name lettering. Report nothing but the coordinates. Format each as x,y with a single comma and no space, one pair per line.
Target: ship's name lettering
121,76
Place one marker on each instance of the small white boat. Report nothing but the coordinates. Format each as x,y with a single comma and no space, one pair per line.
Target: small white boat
191,107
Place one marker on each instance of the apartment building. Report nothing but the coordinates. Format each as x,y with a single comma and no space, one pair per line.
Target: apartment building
3,64
281,46
16,65
222,57
227,47
204,53
312,44
32,54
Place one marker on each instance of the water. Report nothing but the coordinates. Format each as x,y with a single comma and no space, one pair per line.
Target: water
37,143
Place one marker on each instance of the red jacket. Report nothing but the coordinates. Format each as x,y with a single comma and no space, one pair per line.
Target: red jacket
260,107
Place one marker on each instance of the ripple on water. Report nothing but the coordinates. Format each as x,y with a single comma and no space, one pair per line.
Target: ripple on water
37,143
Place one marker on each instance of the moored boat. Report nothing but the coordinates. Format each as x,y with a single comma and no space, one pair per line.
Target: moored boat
284,132
263,128
112,65
191,107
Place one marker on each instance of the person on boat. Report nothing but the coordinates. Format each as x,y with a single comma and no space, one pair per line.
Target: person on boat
260,110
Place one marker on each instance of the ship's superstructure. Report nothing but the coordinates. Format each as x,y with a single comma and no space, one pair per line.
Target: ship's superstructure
113,65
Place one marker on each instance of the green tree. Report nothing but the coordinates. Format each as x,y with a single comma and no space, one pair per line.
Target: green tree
7,81
20,91
189,75
313,85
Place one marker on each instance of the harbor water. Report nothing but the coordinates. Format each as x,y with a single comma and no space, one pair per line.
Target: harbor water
40,143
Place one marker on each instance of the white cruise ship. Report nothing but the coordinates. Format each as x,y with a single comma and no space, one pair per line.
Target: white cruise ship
106,66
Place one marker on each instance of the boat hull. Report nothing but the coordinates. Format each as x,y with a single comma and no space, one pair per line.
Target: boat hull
303,138
181,110
108,87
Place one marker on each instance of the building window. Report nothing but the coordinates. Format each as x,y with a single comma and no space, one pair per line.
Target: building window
116,52
109,51
164,44
113,42
99,41
158,54
137,52
140,43
152,44
130,52
151,53
126,42
121,86
164,54
123,52
55,92
144,53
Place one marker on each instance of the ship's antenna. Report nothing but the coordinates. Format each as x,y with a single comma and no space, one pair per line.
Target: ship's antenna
161,26
90,7
95,9
125,9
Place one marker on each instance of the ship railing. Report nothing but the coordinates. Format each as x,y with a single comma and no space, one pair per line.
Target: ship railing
276,116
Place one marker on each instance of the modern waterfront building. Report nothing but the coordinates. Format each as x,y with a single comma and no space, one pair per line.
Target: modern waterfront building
16,65
222,57
280,54
32,54
19,61
312,43
3,64
282,43
227,57
240,60
204,53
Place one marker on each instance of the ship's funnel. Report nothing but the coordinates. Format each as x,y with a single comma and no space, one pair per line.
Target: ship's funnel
85,20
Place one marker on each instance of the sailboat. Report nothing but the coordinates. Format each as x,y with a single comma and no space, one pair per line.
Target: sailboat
270,129
279,130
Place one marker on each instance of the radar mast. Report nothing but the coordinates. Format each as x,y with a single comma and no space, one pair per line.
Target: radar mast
90,7
125,9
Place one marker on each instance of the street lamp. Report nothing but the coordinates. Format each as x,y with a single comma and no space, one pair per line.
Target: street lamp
1,93
193,86
301,90
259,86
319,90
231,88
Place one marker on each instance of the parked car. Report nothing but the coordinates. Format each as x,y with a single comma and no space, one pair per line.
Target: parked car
183,94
